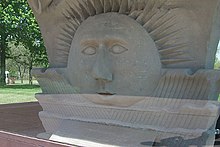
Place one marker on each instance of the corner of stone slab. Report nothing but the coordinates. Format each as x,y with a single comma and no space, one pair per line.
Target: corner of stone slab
44,136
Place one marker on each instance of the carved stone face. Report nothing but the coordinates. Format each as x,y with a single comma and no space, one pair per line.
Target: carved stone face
111,53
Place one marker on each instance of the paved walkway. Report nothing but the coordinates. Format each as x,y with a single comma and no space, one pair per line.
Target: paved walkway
21,119
13,140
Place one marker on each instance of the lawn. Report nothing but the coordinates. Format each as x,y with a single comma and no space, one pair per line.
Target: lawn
18,93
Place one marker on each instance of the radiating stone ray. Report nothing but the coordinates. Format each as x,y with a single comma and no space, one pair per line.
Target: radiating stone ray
98,6
150,5
172,61
174,54
151,14
65,40
160,26
162,3
91,8
84,13
158,17
130,3
69,30
107,6
102,2
63,45
73,13
68,14
147,18
135,14
167,36
80,10
74,24
141,5
66,35
123,7
134,6
171,49
64,51
168,32
115,6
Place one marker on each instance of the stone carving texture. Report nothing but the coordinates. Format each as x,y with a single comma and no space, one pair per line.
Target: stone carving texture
142,64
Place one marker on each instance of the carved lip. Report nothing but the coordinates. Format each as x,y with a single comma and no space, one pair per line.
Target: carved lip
105,93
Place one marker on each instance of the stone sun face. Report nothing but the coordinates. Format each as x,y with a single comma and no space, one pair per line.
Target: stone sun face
119,48
112,53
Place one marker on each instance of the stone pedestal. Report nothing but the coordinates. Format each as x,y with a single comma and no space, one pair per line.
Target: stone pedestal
129,67
76,119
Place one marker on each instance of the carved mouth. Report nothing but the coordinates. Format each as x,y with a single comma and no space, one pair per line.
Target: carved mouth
105,93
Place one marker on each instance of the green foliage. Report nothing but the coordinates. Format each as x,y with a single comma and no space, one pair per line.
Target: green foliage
11,17
22,27
217,61
217,64
17,24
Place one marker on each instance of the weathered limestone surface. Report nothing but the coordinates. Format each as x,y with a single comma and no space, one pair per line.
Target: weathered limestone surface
138,65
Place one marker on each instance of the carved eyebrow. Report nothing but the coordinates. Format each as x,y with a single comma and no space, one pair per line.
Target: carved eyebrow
112,42
108,42
93,43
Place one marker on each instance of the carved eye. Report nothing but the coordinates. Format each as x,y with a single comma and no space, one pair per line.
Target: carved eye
89,51
118,49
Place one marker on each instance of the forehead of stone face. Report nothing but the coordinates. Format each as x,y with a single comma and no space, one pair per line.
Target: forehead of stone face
115,26
108,26
110,23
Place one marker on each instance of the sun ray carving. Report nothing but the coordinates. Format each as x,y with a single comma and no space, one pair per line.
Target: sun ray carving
156,19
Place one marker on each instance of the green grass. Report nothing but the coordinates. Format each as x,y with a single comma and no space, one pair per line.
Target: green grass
18,93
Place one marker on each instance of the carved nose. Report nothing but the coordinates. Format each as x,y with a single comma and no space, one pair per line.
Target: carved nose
101,69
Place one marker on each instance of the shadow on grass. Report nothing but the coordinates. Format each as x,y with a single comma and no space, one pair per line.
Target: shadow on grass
24,86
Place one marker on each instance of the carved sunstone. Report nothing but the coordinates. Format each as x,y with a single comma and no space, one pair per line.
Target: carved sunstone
112,53
128,66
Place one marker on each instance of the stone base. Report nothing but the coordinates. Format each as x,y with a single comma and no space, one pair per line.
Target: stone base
80,120
93,135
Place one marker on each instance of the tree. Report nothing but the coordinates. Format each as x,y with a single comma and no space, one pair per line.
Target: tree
217,60
217,64
3,37
31,38
19,58
22,59
17,24
9,19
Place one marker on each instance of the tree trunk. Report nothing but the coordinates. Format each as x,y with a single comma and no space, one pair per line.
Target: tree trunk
20,73
30,74
2,58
